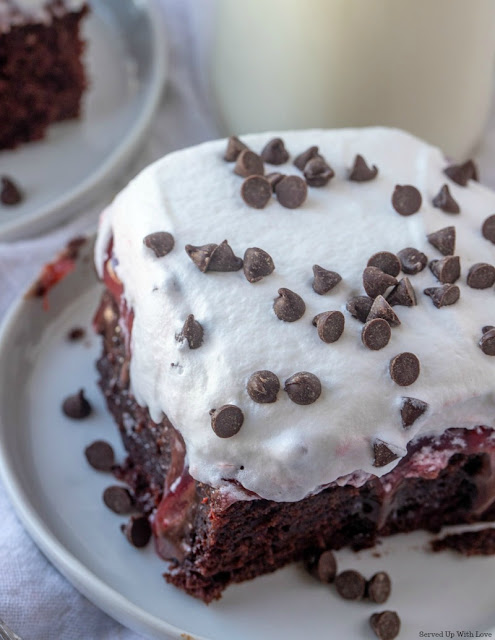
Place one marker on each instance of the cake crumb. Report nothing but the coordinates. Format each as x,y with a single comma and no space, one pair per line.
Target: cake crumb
469,543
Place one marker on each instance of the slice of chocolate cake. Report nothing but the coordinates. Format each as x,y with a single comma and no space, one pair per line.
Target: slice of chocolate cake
299,359
42,75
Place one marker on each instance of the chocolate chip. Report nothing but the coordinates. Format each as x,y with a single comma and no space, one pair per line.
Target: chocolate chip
77,407
462,173
214,257
257,264
160,243
487,328
330,325
118,499
379,587
405,369
100,455
376,282
76,334
289,306
234,148
444,201
383,455
248,164
291,191
192,331
386,261
447,270
256,191
275,152
317,172
376,334
322,566
10,193
443,240
324,280
382,309
412,260
481,276
274,178
443,296
263,387
359,307
201,255
487,343
137,531
226,421
350,585
360,171
488,229
385,624
406,199
411,410
403,294
303,388
303,158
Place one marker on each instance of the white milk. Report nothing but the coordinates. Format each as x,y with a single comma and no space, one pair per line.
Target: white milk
422,65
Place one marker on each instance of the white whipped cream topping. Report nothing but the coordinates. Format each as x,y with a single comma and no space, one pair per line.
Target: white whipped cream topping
20,12
285,451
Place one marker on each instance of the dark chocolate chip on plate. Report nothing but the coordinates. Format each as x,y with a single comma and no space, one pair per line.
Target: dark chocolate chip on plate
382,309
361,172
481,276
412,260
443,240
376,282
379,587
350,585
248,164
137,531
406,199
359,307
386,261
462,173
447,270
376,334
411,410
303,158
443,296
289,306
192,331
77,406
100,455
234,148
488,229
405,369
444,201
317,172
487,343
263,387
291,191
324,280
274,178
118,499
160,243
382,454
275,152
257,264
303,388
403,294
385,624
10,194
330,325
256,191
321,565
226,421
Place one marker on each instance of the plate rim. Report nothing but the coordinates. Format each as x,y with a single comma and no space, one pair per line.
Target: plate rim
66,205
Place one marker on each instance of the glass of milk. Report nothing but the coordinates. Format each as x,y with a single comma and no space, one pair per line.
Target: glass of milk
422,65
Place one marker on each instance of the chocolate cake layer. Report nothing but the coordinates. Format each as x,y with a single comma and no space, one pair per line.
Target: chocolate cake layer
42,76
213,541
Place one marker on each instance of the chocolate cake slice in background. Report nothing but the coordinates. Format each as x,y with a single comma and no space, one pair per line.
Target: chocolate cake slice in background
42,74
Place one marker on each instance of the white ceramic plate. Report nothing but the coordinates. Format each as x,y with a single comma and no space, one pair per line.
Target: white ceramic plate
58,498
126,60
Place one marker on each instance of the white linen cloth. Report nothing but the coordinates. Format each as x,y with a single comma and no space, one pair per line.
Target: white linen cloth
35,600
